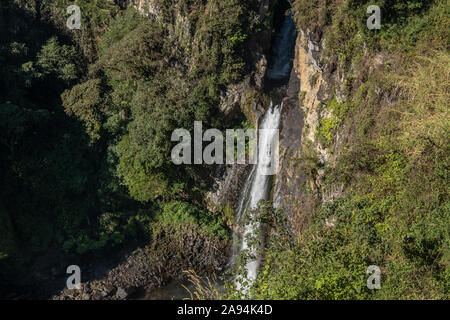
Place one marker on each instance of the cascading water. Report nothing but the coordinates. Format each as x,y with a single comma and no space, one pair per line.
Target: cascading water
258,188
258,184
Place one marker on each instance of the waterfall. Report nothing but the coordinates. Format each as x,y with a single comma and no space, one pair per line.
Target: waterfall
258,184
258,188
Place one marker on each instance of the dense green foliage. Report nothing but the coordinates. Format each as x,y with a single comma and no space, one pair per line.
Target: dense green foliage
394,163
86,118
47,167
178,213
143,87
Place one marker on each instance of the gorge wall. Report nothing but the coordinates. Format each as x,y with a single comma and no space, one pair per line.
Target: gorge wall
309,88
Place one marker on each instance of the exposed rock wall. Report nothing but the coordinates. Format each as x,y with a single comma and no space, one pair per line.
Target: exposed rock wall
143,6
312,85
149,267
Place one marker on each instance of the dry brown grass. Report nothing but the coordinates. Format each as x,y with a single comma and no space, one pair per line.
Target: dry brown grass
424,109
204,288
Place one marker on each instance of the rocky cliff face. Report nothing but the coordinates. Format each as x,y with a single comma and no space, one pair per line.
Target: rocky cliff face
245,97
143,6
298,186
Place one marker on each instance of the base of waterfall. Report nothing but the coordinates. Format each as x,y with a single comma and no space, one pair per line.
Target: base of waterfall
151,270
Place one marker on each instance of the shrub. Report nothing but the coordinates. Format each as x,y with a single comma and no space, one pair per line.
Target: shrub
181,213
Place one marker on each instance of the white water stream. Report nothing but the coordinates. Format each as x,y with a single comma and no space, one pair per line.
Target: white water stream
258,188
258,184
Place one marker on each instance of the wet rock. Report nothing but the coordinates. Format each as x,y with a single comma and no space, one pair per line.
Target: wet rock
123,293
154,266
108,289
227,187
97,296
